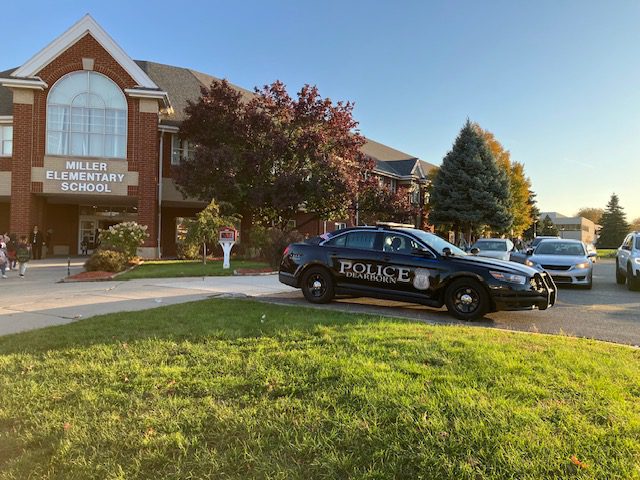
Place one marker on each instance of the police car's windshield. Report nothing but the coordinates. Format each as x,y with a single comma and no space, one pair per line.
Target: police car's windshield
435,242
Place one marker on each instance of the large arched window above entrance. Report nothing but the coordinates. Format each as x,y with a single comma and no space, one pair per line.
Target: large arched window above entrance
86,117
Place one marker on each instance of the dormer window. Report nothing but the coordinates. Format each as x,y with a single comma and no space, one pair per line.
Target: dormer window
86,117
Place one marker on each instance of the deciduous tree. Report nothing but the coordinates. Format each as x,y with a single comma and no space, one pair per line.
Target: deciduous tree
519,185
593,214
272,155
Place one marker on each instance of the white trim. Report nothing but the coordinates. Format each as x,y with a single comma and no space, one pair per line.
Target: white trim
30,83
4,119
152,94
77,31
168,128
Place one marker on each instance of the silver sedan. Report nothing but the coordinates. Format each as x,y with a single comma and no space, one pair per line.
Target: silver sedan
567,261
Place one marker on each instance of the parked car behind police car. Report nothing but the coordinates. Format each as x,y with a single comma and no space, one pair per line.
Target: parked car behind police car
411,265
499,248
567,261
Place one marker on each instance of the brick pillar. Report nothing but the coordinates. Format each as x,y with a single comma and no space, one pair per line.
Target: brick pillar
148,171
23,214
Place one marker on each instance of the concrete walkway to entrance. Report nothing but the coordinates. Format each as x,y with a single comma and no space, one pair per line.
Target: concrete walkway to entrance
39,300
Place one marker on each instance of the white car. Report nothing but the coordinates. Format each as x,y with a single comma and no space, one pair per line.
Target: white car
628,262
499,248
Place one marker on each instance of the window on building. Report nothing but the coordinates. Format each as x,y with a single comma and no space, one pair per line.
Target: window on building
6,141
340,225
86,117
180,150
292,224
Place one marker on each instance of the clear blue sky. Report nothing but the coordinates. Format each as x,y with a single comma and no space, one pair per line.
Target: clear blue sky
557,82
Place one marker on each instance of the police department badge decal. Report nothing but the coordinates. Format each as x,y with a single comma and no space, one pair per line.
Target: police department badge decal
421,279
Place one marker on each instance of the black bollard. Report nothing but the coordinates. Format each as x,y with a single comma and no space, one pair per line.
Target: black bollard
68,266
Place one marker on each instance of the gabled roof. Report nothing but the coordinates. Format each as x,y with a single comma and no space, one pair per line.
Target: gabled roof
86,25
394,162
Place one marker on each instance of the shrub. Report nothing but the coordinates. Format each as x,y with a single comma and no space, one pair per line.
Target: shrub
277,242
124,237
106,261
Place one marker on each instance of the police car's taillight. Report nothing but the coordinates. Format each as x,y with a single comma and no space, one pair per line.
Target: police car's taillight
286,251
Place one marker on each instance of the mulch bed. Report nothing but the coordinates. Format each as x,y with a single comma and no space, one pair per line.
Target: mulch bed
90,277
254,271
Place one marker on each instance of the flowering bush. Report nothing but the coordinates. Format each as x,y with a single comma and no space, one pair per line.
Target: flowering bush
124,237
106,261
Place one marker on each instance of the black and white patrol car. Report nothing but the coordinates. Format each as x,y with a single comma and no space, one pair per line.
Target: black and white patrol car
411,265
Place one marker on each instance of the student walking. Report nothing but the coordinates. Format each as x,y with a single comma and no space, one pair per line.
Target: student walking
23,253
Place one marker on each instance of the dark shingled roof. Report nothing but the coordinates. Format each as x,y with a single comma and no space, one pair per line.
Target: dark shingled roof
6,97
183,84
392,161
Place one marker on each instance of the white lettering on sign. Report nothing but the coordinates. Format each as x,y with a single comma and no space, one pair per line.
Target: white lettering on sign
80,176
374,273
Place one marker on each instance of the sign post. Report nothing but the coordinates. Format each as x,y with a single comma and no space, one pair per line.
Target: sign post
227,239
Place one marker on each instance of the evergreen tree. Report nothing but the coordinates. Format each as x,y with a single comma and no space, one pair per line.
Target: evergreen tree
614,225
470,191
548,228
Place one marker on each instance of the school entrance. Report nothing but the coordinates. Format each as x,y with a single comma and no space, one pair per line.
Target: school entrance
94,218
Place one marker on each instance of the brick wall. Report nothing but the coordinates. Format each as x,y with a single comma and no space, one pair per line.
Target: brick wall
29,142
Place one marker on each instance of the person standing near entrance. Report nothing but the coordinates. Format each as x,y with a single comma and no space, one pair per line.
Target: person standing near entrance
23,252
36,243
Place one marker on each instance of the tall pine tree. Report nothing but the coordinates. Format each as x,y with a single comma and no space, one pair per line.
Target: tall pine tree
470,191
614,224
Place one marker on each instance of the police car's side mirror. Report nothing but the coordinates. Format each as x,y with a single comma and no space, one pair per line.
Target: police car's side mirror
446,251
529,251
475,251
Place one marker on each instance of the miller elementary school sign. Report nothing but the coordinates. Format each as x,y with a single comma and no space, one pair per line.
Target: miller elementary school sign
80,176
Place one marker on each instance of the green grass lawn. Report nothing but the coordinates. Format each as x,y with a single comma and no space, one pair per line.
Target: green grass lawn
187,268
607,252
240,389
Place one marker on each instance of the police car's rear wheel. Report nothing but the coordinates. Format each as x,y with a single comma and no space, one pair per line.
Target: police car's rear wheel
317,286
466,299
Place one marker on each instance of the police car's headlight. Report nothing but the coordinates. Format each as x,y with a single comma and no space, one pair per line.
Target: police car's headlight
509,277
581,266
529,263
637,260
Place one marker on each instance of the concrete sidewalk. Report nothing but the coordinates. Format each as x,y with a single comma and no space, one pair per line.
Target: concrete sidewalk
39,300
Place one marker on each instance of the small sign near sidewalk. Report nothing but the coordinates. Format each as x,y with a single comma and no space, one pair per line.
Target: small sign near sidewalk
227,239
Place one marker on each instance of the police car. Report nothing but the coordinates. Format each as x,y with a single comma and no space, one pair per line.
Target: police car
406,264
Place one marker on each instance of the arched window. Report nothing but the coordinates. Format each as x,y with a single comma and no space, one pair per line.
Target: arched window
86,117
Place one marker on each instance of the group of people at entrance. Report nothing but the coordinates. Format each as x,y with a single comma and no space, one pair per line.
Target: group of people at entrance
15,255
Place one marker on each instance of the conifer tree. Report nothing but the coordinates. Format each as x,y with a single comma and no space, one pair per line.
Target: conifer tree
548,228
614,224
470,191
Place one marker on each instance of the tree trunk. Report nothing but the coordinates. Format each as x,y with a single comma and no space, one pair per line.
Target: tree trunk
246,223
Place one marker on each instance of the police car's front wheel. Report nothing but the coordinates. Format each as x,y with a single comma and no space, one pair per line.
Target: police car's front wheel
466,299
317,285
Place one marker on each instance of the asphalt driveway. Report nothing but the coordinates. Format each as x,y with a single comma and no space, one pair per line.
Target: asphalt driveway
607,312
